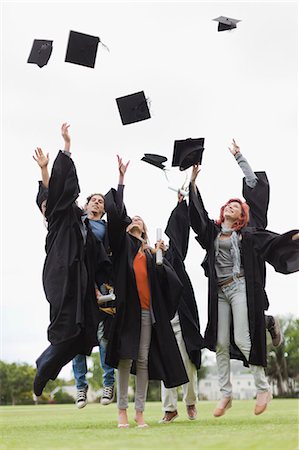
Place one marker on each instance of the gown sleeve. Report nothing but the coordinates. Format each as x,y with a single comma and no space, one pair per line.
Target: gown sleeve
279,250
178,231
117,217
202,225
63,185
258,200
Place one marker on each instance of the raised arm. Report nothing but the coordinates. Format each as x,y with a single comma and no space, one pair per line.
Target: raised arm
200,222
256,189
116,210
250,177
43,161
178,231
63,184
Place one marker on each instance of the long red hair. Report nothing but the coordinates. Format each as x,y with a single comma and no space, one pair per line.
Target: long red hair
243,221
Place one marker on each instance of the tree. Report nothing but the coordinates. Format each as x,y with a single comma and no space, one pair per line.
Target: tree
283,361
96,379
16,383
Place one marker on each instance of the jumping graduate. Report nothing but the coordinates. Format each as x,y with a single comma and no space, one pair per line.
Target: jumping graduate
186,321
235,267
147,295
74,260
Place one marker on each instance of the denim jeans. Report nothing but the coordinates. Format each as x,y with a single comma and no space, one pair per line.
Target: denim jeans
80,366
232,299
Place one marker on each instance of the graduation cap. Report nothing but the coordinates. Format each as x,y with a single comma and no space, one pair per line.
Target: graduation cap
40,52
133,108
82,49
187,152
226,23
155,160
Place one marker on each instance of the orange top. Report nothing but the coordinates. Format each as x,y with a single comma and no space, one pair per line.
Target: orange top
142,282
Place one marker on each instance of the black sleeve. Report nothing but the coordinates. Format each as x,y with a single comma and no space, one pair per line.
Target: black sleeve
258,200
171,287
63,185
202,225
178,231
117,217
279,250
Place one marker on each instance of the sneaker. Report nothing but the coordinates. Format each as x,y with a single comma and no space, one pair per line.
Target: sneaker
169,416
191,412
273,326
81,399
108,395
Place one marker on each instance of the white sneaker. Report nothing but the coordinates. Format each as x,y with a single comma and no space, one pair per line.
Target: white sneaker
81,400
108,395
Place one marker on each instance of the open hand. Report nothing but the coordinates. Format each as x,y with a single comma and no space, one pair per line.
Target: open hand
234,149
195,171
41,159
121,166
65,133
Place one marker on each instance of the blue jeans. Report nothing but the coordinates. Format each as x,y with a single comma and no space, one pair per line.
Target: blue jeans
80,366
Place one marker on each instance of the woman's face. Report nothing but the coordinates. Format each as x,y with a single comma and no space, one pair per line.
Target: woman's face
137,222
233,211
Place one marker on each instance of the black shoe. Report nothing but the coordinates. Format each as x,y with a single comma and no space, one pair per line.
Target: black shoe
108,395
272,325
39,384
81,400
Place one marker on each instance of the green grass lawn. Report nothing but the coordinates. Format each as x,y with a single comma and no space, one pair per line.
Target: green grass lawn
94,427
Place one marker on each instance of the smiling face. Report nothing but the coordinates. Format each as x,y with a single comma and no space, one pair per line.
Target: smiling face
137,224
232,211
95,206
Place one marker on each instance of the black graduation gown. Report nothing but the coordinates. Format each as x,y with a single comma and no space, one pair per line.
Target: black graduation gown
257,246
178,231
164,362
71,264
257,199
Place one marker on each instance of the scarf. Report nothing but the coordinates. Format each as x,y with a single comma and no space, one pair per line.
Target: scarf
234,250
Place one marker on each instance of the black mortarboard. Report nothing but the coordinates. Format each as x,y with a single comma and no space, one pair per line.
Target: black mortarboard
133,108
42,194
82,49
155,160
40,52
226,23
187,152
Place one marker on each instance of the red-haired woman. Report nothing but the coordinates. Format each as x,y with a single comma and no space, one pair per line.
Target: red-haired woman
234,265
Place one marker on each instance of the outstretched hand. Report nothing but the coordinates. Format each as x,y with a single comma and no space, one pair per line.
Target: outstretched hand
295,237
65,133
195,171
122,167
41,159
234,149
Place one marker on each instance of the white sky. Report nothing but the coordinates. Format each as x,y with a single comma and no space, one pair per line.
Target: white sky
201,83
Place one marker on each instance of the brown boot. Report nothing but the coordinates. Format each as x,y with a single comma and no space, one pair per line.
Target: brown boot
222,406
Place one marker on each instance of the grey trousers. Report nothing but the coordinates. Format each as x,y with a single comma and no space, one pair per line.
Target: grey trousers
124,367
169,396
232,298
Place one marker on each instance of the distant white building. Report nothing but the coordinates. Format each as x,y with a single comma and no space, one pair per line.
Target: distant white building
243,387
